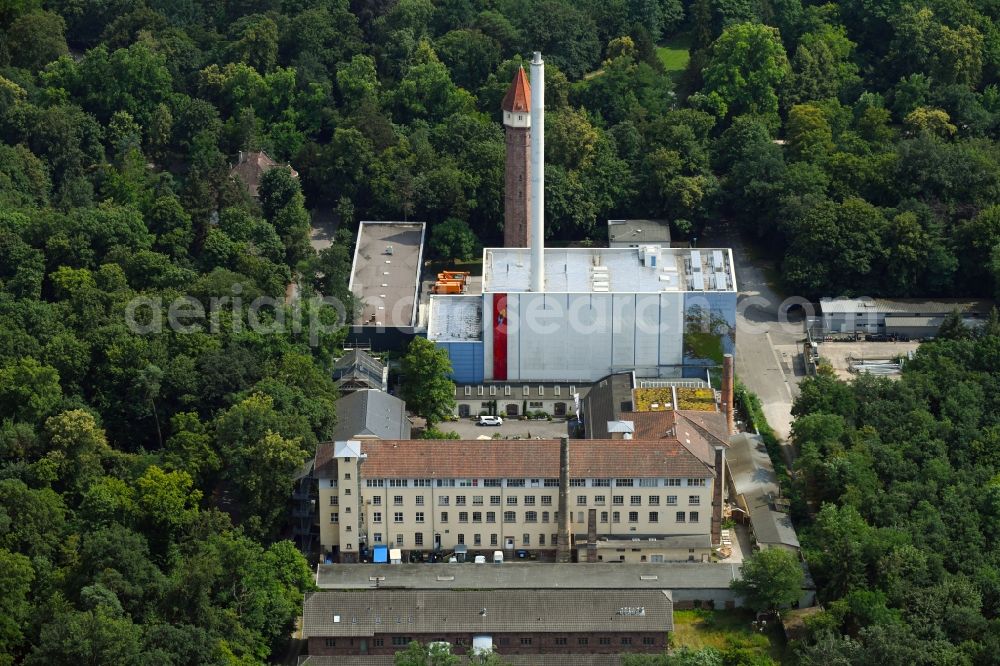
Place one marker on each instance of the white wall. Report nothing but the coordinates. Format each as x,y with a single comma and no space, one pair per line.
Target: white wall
583,337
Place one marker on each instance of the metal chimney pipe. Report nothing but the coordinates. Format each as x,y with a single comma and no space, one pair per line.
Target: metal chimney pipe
562,542
537,172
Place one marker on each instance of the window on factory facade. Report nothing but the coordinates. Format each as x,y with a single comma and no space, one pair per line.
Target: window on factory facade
680,516
693,517
529,500
624,483
633,516
459,500
461,539
525,539
420,500
654,516
654,500
418,539
377,537
551,483
334,500
515,483
601,483
399,483
491,516
509,516
577,483
546,500
581,500
545,516
492,483
604,516
399,539
541,539
694,500
673,482
444,516
443,500
420,516
493,539
616,517
671,500
477,516
377,517
599,499
697,483
397,517
511,500
635,500
531,517
377,501
463,516
648,483
477,500
397,500
617,500
477,539
334,517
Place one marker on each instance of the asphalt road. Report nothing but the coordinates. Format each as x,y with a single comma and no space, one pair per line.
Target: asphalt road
766,361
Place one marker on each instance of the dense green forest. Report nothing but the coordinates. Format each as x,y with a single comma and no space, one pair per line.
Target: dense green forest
857,140
898,490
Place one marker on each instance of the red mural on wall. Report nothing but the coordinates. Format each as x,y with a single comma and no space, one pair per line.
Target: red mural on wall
500,337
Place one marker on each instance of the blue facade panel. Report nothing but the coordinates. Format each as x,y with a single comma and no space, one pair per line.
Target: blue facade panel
466,361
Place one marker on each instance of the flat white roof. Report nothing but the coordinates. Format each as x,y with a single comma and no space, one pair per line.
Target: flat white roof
906,306
385,276
455,318
646,269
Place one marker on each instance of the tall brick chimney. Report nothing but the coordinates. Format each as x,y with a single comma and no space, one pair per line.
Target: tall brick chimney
728,382
562,540
517,168
591,535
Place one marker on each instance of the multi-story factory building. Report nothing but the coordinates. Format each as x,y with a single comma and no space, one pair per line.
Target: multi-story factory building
655,498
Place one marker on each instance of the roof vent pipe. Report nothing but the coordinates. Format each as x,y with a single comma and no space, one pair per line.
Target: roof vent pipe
537,172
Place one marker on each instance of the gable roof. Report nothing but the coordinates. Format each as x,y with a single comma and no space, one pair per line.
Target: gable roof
252,166
358,367
371,413
518,97
588,458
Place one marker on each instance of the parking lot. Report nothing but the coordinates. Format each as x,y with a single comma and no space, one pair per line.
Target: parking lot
511,429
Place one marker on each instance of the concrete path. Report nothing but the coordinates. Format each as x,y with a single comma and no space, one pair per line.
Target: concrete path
766,358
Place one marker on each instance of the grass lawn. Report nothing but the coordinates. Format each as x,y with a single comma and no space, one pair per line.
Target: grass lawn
725,629
674,54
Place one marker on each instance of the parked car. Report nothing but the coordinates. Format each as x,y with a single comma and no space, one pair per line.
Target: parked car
489,421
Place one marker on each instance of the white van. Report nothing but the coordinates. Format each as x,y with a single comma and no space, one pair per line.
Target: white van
490,421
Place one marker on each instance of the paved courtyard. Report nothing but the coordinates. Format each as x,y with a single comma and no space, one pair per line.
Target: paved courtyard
510,429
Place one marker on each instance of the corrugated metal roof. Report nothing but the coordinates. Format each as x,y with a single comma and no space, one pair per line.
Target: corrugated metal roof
913,306
369,612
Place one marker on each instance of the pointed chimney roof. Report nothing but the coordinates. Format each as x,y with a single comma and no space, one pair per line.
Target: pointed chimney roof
518,97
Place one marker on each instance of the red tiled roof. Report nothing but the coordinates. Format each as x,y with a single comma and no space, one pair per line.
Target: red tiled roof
423,458
518,97
650,425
